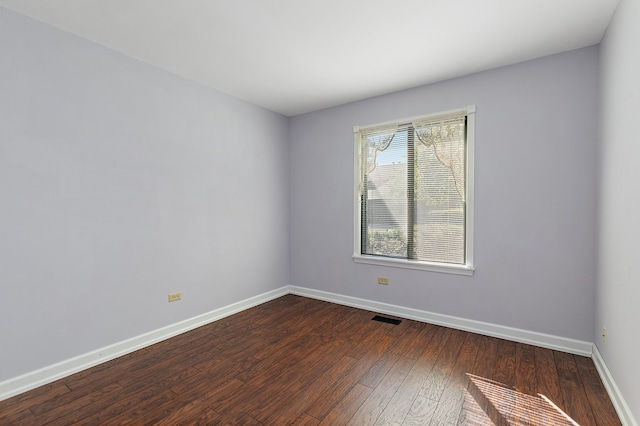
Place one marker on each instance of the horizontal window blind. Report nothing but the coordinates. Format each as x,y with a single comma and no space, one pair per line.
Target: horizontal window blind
412,189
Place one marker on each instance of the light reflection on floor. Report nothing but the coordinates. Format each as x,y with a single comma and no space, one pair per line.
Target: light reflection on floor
488,402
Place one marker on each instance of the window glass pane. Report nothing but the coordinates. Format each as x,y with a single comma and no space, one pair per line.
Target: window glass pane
412,190
439,209
386,201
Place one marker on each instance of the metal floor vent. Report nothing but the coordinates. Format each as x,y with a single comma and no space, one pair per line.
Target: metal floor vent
387,320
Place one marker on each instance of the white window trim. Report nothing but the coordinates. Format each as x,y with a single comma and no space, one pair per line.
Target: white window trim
468,267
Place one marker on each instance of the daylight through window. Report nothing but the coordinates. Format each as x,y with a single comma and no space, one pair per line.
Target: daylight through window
414,188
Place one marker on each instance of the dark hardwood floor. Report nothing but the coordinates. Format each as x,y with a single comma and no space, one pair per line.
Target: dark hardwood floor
300,361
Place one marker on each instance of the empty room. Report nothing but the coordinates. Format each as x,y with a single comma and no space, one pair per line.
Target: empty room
319,213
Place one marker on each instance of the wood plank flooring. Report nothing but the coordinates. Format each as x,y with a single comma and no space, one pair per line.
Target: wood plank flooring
301,361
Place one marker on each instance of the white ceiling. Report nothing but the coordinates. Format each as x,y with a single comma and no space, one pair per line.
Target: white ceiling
296,56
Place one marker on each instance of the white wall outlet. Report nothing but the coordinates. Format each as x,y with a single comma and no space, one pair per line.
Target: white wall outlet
383,281
173,297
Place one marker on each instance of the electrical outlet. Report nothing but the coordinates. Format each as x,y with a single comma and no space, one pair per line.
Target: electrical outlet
383,281
173,297
604,334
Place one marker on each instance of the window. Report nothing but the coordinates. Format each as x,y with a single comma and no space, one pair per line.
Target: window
414,192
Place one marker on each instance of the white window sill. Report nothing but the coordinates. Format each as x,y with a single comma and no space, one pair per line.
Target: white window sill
414,264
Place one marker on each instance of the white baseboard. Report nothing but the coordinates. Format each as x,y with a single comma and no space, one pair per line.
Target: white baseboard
65,368
576,347
618,401
563,344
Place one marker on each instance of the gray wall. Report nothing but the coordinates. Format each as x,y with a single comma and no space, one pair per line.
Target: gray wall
535,211
121,183
618,295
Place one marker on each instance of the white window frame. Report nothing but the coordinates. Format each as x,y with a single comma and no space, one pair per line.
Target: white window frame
467,268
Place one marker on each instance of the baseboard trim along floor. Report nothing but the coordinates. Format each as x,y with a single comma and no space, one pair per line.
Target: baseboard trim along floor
610,385
65,368
563,344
